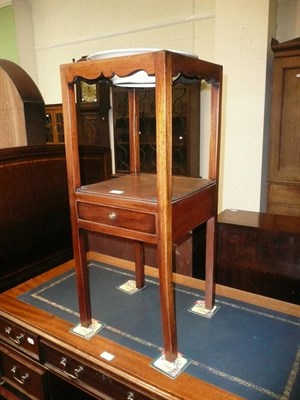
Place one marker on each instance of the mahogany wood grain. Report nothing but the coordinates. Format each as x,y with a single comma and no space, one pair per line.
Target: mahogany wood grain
142,188
259,253
34,207
210,260
139,264
34,212
134,143
164,201
263,221
214,144
118,217
283,189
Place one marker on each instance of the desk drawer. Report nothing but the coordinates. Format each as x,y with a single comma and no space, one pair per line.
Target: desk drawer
117,217
24,374
86,377
19,338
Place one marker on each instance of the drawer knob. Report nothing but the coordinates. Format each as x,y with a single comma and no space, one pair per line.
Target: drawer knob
23,378
75,374
112,216
17,339
130,396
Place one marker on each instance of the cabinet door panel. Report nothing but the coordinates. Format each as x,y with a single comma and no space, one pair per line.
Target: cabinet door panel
94,128
285,126
185,130
54,124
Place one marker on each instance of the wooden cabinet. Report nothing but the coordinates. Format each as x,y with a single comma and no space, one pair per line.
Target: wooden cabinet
93,105
54,129
284,156
259,253
92,116
185,130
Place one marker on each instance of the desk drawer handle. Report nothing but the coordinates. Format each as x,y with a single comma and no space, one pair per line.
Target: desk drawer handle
130,396
112,216
22,380
75,374
18,339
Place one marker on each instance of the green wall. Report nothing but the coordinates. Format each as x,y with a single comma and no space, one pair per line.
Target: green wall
8,39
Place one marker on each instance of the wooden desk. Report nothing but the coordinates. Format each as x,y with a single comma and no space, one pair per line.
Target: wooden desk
47,342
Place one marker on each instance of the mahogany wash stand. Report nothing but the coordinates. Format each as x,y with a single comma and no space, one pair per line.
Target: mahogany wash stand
157,209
